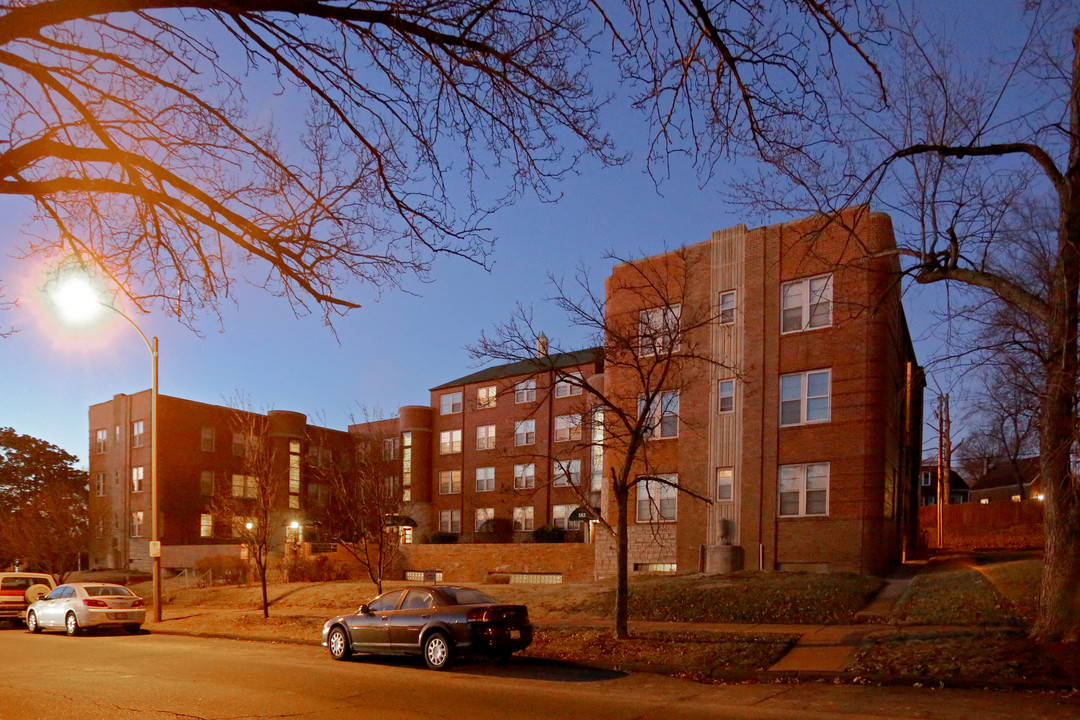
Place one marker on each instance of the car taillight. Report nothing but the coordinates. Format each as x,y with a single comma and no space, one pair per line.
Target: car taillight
94,603
139,603
479,615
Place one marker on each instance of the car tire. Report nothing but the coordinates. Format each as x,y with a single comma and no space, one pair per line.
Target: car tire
437,651
71,624
35,592
337,642
32,622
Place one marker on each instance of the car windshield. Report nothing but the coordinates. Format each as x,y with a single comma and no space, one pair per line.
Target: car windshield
99,591
466,596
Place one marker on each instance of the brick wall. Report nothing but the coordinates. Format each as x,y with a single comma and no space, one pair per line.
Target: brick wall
1004,525
474,562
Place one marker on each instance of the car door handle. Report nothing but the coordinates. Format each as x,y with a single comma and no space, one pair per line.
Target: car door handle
424,617
385,618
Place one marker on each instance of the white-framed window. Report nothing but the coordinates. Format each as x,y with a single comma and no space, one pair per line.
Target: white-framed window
804,397
725,484
391,448
239,444
449,442
449,482
727,307
523,518
101,440
244,486
450,403
926,479
565,473
524,476
567,427
137,523
485,437
658,330
206,525
524,432
138,433
450,521
725,396
482,515
560,517
406,535
663,415
806,304
525,391
569,385
99,484
138,474
485,479
984,501
206,483
486,397
804,489
206,440
657,501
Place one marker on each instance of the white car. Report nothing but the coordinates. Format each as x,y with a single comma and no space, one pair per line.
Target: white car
74,607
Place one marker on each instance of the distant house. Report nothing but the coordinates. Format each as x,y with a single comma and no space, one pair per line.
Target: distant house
958,488
1001,481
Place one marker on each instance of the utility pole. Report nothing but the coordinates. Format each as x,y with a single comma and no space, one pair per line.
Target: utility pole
944,464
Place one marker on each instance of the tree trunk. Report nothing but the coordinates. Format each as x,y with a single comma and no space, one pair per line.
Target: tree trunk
261,566
622,592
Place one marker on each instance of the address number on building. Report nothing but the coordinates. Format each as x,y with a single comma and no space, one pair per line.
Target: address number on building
155,548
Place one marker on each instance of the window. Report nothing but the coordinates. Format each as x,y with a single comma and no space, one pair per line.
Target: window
524,476
485,397
243,486
725,402
727,307
138,434
137,476
485,437
450,403
206,525
206,440
406,535
525,391
658,330
524,432
663,415
450,521
137,523
806,304
596,452
391,448
569,385
483,515
725,482
926,479
99,484
485,479
566,472
206,482
804,489
449,482
560,517
449,442
101,440
656,500
567,427
239,444
523,519
804,397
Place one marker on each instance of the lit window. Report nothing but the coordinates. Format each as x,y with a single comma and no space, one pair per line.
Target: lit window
569,385
726,396
804,489
525,391
485,437
727,307
243,486
137,476
449,442
663,416
406,535
523,519
524,476
206,525
657,500
806,304
725,483
449,482
483,516
524,432
450,403
658,330
450,521
206,439
567,427
485,479
566,472
804,397
486,397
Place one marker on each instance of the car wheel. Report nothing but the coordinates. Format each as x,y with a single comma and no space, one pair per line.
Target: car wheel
437,651
338,643
71,624
32,623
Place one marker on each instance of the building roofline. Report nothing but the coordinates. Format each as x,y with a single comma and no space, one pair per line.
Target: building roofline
531,366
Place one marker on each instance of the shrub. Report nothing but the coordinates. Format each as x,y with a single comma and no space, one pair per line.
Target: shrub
547,534
442,538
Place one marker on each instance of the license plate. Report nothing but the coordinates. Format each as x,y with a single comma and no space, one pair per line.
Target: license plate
118,616
515,634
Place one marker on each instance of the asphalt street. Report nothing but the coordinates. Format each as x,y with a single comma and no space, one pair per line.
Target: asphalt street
117,677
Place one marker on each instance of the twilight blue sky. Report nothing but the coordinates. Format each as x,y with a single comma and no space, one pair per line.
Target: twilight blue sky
394,348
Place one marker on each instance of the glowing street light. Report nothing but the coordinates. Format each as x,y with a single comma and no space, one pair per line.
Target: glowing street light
79,302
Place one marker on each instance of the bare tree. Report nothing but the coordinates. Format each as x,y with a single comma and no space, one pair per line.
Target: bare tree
49,534
145,134
653,332
365,509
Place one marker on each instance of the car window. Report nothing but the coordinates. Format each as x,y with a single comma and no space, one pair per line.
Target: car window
69,591
417,600
15,583
57,593
387,601
99,591
466,596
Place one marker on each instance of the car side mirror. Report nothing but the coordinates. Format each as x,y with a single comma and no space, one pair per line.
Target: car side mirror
365,609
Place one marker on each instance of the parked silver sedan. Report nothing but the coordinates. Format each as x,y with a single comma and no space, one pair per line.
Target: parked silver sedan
73,607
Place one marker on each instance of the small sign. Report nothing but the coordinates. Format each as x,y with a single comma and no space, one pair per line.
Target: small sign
155,548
